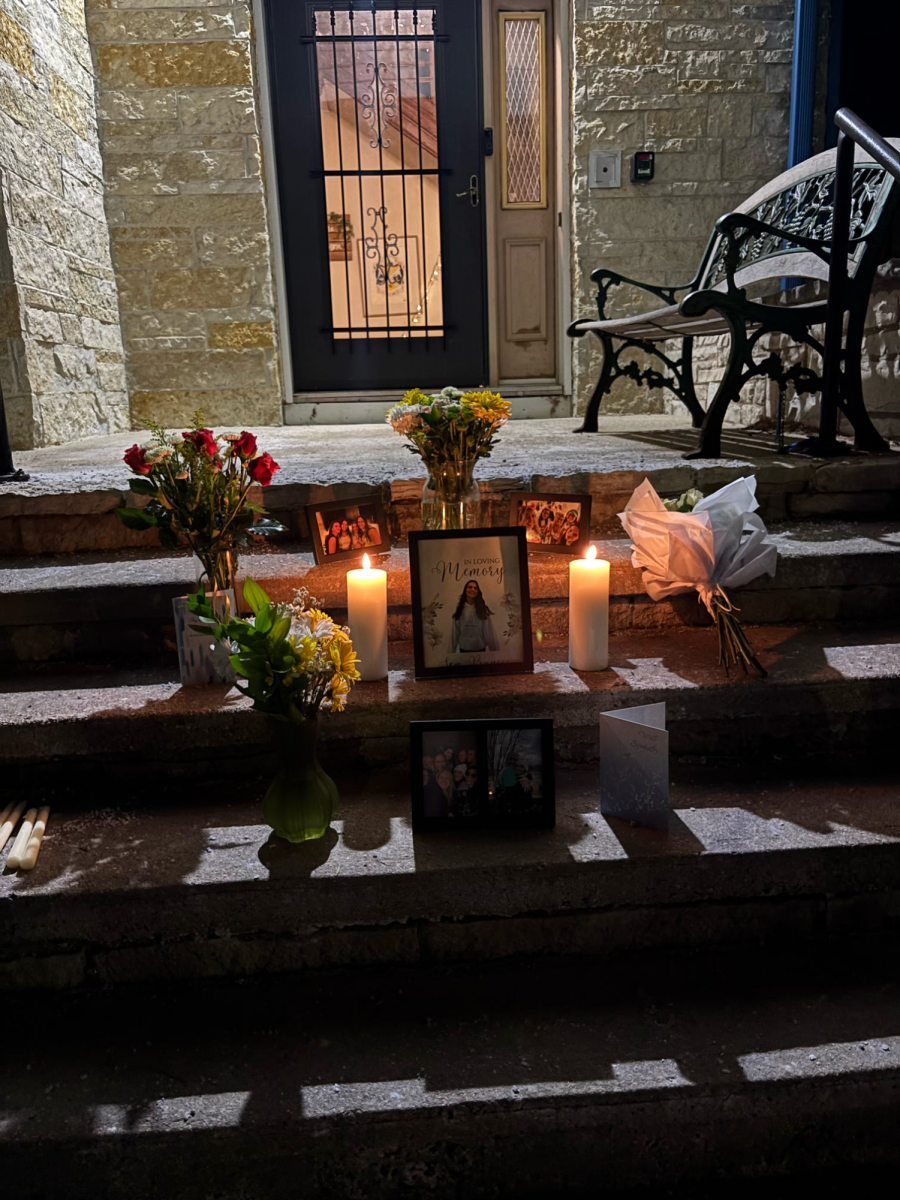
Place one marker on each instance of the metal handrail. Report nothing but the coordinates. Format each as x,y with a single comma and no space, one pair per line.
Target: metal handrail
864,135
852,130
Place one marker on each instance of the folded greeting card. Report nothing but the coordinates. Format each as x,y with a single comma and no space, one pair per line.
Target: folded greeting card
634,765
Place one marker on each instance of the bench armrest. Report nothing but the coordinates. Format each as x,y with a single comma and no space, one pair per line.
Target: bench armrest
606,280
731,223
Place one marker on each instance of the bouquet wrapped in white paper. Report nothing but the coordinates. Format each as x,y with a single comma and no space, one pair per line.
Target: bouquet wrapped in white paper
718,543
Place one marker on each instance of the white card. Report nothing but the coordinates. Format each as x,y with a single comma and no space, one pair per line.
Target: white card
634,765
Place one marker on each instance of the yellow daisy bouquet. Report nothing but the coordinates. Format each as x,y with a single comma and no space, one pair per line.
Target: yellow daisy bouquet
291,659
450,428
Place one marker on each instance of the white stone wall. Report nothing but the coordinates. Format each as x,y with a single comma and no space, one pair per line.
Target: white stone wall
185,199
706,85
60,344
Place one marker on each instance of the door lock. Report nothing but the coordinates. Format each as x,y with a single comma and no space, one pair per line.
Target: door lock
472,192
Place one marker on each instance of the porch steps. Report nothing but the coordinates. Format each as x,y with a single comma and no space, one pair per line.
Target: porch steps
116,608
832,691
721,1075
69,506
131,894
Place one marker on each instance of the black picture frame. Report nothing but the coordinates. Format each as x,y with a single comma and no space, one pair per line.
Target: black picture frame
426,626
347,508
563,499
492,810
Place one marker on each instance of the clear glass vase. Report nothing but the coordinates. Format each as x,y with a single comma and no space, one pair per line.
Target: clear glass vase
301,799
451,499
217,571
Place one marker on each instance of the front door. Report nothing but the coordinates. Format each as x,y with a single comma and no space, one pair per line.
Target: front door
379,145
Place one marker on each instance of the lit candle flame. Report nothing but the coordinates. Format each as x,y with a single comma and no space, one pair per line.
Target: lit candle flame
591,552
367,565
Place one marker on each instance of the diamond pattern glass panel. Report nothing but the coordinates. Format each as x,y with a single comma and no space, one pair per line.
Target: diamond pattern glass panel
523,49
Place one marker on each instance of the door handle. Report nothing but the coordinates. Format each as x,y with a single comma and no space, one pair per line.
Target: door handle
472,192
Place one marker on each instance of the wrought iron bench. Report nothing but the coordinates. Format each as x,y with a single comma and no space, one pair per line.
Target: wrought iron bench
782,233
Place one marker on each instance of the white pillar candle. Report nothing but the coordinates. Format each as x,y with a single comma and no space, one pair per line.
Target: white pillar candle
29,858
367,618
18,850
8,820
589,613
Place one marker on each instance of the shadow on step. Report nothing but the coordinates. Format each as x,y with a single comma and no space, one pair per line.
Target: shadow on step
498,1081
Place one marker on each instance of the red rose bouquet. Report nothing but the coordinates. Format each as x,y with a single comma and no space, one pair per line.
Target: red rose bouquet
198,486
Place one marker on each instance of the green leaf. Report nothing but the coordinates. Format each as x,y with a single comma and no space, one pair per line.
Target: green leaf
142,486
135,518
280,629
264,618
254,597
167,537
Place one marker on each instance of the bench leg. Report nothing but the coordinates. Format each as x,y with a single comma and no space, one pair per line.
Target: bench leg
688,395
680,381
589,424
710,444
866,436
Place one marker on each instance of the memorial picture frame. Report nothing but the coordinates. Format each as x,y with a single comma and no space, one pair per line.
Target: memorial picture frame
459,630
483,774
328,545
547,518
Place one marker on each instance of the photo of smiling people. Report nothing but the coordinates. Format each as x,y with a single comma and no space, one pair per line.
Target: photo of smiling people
452,784
347,529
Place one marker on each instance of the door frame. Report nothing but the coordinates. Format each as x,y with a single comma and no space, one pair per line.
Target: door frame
561,105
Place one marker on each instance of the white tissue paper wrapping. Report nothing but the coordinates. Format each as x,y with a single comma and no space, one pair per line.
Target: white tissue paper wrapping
721,544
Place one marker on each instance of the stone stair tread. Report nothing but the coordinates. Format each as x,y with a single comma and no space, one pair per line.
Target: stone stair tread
821,681
726,840
69,503
640,663
554,1078
528,454
126,582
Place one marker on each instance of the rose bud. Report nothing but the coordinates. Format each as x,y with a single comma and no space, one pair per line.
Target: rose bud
203,440
244,446
136,459
262,469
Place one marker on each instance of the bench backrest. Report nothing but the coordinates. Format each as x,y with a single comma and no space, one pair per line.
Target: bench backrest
801,201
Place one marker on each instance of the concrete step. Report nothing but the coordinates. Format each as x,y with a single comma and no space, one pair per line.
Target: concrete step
69,504
201,889
114,608
499,1081
831,691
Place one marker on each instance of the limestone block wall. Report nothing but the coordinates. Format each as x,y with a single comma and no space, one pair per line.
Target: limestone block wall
185,200
60,343
706,85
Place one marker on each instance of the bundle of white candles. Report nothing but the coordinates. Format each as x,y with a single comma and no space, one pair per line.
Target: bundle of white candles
27,842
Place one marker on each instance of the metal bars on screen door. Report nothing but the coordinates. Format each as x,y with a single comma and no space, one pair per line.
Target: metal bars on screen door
375,75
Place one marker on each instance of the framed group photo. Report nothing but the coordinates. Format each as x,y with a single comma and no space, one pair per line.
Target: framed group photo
482,774
471,605
555,522
347,529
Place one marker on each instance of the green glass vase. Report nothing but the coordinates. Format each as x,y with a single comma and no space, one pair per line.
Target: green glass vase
301,799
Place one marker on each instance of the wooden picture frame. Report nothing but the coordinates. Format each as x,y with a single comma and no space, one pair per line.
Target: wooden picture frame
322,517
449,639
556,505
502,775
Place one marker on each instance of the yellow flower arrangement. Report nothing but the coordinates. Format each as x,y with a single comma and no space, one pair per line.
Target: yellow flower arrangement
451,427
292,658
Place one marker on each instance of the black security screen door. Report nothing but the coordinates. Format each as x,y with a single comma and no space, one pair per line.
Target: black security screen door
379,145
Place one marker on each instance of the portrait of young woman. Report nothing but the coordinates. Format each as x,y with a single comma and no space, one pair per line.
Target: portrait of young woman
471,603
